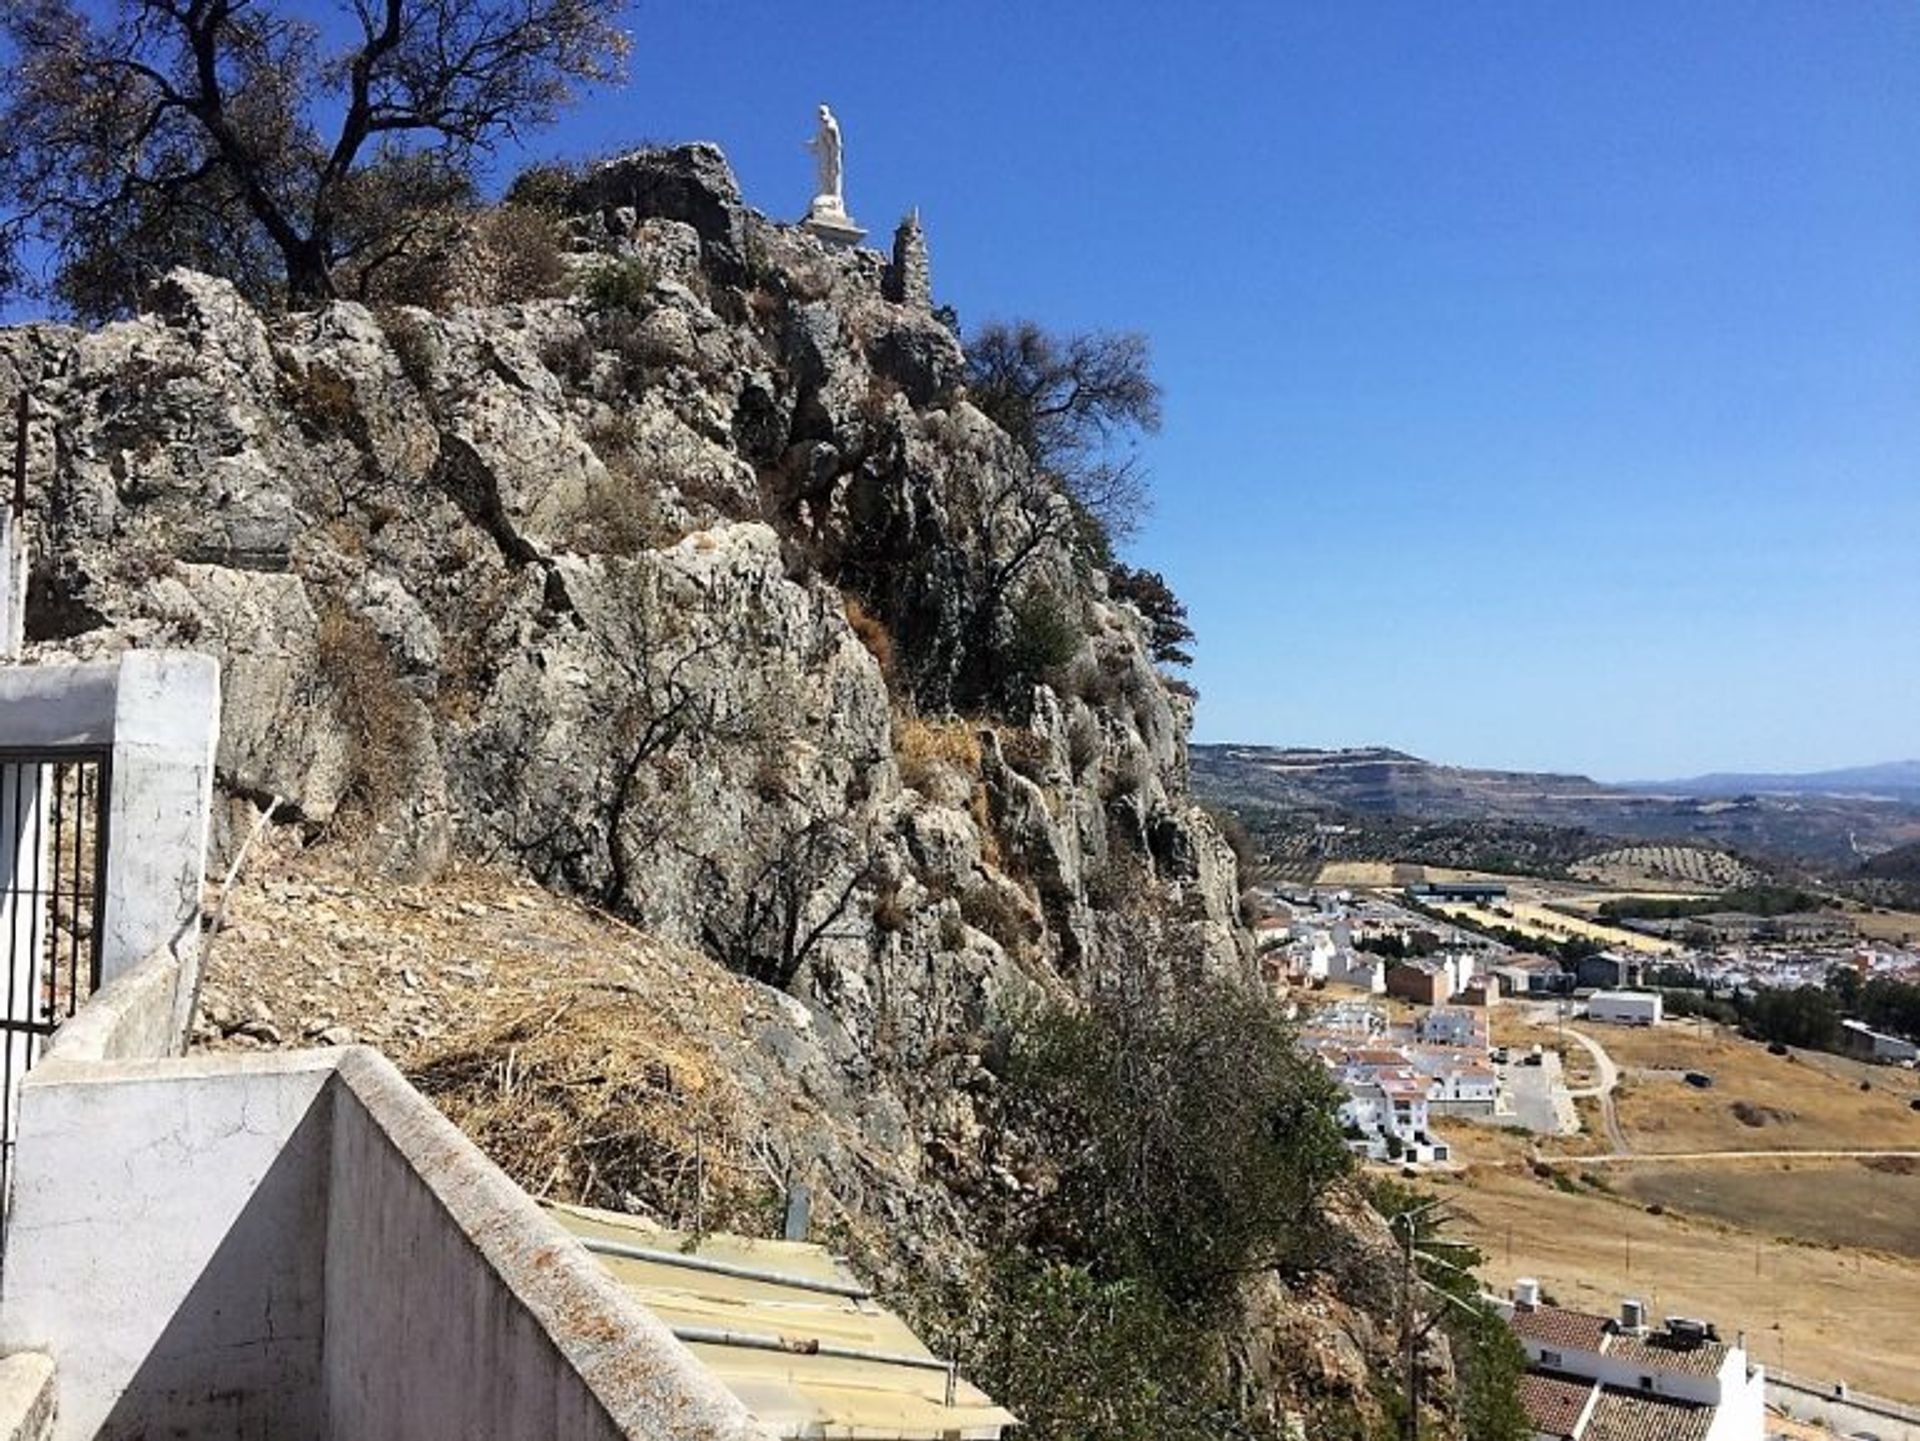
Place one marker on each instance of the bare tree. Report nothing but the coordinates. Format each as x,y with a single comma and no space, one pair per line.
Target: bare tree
221,132
799,890
1076,404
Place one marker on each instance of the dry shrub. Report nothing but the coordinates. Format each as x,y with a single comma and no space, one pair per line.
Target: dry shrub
1027,752
920,746
1084,742
994,912
412,347
583,1101
519,254
321,397
872,633
621,513
1749,1114
979,807
372,703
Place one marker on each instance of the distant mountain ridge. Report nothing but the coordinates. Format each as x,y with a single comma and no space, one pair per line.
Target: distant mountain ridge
1831,819
1896,779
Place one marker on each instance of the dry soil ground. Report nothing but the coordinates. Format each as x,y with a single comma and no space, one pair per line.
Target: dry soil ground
1819,1311
1758,1101
1818,1260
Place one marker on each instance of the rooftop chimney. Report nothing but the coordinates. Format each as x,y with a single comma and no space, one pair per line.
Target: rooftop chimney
1633,1317
1526,1293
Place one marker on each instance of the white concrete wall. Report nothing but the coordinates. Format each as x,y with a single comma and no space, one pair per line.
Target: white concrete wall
462,1310
299,1247
166,725
135,1017
167,1245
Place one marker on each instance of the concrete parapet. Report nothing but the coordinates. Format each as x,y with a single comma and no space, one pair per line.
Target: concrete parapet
299,1245
136,1016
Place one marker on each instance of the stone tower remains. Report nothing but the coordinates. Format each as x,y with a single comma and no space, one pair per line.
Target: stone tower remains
908,280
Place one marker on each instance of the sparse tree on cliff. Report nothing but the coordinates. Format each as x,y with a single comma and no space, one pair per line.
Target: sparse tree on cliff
1168,634
225,134
1076,404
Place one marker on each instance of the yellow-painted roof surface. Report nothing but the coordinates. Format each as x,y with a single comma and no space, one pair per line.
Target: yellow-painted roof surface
774,1338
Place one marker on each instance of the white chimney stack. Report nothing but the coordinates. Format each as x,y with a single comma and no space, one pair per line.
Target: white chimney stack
1526,1293
1633,1317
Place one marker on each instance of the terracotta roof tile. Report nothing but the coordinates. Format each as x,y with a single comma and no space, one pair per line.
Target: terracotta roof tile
1551,1326
1629,1416
1554,1403
1663,1352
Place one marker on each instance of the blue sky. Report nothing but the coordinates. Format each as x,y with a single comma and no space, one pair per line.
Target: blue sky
1542,381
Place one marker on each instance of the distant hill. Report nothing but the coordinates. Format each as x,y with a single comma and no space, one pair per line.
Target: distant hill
1894,780
1828,822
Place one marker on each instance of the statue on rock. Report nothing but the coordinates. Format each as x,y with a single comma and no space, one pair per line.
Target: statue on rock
829,169
827,216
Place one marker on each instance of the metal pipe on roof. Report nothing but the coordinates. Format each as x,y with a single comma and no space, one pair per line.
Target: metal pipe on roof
601,1247
806,1346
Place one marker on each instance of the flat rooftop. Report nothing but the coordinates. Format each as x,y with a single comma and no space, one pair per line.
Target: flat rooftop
790,1330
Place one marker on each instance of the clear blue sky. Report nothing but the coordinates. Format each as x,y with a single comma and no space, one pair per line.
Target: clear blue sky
1542,381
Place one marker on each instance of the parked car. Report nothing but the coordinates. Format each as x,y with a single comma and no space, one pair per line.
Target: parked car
1774,1048
1700,1080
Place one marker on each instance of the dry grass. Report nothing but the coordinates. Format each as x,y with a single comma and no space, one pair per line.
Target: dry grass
1532,919
872,633
1356,873
586,1100
1887,925
373,705
1872,1204
1799,1305
921,746
1801,1104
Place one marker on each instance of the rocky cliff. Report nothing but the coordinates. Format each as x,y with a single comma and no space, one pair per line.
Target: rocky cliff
702,595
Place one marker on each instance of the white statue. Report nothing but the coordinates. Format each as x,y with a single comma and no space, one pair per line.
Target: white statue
829,177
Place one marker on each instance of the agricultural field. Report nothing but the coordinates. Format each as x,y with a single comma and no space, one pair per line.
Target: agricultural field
1357,874
1531,918
1872,1204
1901,926
1692,868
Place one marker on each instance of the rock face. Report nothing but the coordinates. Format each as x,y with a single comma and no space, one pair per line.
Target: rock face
567,585
697,595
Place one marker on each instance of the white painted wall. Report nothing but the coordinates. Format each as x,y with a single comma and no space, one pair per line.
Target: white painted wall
166,725
299,1247
167,1245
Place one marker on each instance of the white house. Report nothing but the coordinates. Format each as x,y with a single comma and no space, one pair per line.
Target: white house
1592,1377
1385,1112
1363,969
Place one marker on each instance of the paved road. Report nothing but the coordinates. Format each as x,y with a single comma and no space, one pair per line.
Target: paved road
1609,1078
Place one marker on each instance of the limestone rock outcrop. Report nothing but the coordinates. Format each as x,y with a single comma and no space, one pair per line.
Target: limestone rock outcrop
567,585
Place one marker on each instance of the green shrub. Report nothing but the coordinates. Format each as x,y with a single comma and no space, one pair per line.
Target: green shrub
1046,633
622,285
1196,1138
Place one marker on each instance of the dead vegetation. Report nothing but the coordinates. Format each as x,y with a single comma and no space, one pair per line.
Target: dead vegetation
373,705
922,746
582,1100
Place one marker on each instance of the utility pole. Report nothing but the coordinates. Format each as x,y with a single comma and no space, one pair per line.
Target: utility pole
1408,1338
